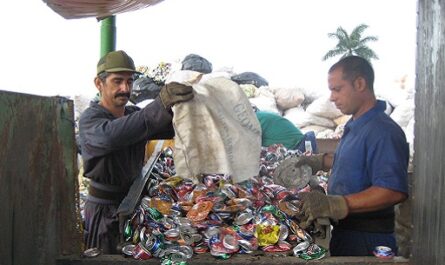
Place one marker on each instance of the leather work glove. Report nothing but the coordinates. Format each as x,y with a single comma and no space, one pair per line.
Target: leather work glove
321,227
322,224
289,172
173,93
314,161
317,205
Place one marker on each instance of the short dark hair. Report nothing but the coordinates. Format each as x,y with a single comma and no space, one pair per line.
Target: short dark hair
353,67
103,76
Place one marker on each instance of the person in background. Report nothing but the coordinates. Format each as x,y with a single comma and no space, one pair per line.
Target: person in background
369,167
276,129
112,137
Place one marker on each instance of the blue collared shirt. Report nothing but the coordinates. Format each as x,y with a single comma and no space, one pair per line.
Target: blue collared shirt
372,152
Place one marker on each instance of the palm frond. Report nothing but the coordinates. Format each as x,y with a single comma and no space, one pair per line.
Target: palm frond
351,44
368,39
332,53
359,29
366,53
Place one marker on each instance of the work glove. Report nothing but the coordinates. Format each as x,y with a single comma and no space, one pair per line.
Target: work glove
322,224
316,205
314,161
173,93
289,172
321,227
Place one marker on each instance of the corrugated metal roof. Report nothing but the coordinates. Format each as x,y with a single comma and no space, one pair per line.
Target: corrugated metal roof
72,9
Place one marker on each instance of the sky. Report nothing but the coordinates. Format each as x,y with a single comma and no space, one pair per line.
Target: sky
281,40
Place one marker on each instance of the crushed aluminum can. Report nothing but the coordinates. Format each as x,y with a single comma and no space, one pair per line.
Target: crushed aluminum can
228,190
247,231
136,238
142,235
127,230
186,239
300,232
313,252
289,207
154,214
267,234
187,250
156,247
244,217
383,252
248,246
177,257
163,205
201,249
199,211
182,221
168,222
300,248
196,237
145,202
127,250
281,246
274,211
140,252
172,234
141,217
284,232
211,231
230,242
91,252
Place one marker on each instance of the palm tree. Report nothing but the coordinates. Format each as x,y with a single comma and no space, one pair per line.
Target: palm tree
352,44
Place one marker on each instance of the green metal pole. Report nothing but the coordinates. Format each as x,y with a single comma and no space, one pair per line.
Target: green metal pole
108,35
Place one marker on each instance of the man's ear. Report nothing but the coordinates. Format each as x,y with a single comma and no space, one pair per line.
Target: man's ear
98,84
360,84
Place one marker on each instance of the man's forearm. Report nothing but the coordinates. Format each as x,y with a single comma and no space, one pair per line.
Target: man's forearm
372,199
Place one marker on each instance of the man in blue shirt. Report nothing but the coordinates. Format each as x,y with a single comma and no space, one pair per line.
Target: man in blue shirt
369,167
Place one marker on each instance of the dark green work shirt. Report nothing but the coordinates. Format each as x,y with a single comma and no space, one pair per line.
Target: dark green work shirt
113,148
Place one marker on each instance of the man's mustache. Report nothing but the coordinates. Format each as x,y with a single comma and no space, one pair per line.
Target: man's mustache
122,95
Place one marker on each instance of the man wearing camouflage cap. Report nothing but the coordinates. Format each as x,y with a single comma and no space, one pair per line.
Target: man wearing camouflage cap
113,138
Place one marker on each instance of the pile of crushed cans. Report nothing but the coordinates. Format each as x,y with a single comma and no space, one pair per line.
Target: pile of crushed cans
177,218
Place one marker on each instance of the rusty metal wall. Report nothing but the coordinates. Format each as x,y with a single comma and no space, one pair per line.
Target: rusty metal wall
38,185
429,144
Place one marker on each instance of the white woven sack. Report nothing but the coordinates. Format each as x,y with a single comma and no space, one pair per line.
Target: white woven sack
302,118
217,132
323,107
287,98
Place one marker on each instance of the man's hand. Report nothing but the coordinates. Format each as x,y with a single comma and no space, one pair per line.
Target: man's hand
317,205
314,161
173,93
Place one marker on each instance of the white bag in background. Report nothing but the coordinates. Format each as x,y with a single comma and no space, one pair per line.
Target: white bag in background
403,113
323,107
216,132
265,103
302,118
287,98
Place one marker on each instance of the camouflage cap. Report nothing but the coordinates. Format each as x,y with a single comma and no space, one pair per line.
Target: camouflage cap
116,61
